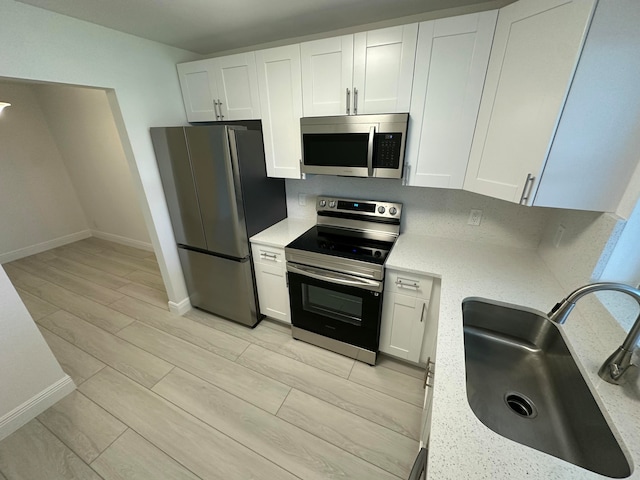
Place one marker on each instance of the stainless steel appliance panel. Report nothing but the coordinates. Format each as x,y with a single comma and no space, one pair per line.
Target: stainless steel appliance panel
264,198
221,286
218,190
354,145
172,154
419,469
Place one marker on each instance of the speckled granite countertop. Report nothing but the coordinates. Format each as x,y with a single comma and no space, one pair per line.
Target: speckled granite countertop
460,446
283,232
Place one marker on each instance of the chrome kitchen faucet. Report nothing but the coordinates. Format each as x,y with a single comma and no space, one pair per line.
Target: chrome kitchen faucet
619,361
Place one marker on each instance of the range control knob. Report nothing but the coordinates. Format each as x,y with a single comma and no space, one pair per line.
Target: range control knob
332,203
377,254
381,209
393,210
323,203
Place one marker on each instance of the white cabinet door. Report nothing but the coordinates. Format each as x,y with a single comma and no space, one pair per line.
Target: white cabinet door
451,64
327,73
224,88
280,87
403,323
199,90
383,63
237,82
369,72
271,281
535,51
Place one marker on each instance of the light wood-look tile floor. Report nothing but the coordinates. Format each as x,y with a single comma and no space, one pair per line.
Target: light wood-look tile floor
166,397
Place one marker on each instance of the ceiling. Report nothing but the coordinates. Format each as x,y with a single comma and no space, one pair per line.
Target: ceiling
209,26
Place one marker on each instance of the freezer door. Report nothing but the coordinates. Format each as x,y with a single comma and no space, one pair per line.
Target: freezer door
221,286
217,184
172,154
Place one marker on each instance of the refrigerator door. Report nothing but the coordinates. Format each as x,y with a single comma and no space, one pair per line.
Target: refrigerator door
172,154
264,198
218,190
221,286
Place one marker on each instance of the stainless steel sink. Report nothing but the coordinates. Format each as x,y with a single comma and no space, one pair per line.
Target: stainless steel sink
523,383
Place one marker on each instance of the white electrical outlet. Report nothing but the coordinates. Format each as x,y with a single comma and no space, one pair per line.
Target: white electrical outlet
559,234
475,217
302,199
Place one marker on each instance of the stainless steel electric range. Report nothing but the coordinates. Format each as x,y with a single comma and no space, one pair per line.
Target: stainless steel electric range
336,275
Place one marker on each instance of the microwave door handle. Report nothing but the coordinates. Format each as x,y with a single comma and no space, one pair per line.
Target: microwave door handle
372,133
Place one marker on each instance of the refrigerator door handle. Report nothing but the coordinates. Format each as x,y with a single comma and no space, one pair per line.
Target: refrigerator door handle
237,202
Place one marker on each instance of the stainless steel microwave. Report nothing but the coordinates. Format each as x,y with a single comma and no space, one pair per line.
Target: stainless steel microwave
354,145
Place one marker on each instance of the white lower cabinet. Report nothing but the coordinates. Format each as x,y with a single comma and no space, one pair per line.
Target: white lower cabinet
271,279
405,314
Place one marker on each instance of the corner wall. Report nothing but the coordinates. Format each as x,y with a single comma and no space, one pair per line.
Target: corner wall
83,127
40,209
44,46
31,378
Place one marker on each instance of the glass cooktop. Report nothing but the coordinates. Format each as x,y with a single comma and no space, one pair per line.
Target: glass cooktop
341,243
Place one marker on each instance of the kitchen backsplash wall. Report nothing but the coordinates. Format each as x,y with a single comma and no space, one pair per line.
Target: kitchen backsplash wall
428,211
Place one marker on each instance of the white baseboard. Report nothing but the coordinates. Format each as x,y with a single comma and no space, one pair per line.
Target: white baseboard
181,307
33,407
44,246
130,242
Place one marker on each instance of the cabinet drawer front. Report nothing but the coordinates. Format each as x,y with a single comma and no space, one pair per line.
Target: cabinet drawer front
408,284
268,255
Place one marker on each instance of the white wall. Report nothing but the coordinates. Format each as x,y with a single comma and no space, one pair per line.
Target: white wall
41,45
31,379
81,122
40,209
430,211
44,46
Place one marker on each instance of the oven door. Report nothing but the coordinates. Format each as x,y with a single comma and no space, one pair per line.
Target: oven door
336,305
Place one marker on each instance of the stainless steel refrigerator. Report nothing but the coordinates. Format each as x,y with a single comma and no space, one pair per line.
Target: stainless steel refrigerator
218,194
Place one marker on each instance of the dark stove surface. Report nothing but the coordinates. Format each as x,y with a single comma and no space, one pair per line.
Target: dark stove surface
342,243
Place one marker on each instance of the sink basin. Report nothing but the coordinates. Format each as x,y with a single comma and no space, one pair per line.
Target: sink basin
523,383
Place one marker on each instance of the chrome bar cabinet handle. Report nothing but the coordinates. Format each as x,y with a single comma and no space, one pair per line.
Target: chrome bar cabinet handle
348,101
355,101
526,191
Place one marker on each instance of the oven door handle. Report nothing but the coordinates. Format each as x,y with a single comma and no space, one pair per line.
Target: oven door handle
335,277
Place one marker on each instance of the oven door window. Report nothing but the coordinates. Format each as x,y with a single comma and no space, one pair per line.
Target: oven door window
330,303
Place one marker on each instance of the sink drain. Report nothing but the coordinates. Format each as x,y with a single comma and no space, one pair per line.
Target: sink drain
521,405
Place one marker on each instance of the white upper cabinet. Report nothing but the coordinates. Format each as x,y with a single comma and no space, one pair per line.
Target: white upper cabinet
280,87
369,72
224,88
199,90
327,75
535,52
451,64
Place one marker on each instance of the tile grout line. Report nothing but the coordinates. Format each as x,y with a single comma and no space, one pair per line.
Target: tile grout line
37,419
331,443
196,375
220,431
72,344
127,428
338,406
152,443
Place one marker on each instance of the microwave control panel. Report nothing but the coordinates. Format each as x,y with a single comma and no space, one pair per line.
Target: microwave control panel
386,150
